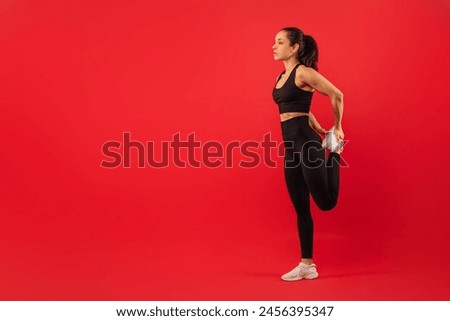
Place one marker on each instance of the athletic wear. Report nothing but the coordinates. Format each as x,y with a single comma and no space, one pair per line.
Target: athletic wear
290,98
302,271
307,172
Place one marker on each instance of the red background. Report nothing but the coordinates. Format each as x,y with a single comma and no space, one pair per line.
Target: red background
75,75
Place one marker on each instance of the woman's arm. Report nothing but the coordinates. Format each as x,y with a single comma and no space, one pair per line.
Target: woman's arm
315,124
320,83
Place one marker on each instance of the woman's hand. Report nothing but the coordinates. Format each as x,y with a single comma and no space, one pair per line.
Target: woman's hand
339,133
321,131
315,124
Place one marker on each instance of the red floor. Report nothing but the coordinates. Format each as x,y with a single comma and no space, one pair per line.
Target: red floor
125,257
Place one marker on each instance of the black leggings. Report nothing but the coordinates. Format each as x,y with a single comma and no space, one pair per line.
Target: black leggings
306,172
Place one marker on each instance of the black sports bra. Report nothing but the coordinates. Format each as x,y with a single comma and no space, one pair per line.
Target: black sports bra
290,98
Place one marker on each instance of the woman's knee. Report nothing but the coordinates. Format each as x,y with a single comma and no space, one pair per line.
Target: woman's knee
327,205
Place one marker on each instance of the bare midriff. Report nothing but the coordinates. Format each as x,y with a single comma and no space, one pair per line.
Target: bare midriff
286,116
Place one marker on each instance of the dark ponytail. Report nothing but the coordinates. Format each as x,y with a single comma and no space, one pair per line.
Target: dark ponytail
308,52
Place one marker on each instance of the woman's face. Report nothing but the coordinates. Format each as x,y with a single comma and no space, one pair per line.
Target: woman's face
282,50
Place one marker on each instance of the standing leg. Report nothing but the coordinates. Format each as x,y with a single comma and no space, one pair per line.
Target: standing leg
299,195
297,130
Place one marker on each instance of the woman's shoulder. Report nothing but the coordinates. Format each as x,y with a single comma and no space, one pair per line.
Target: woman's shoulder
303,67
302,70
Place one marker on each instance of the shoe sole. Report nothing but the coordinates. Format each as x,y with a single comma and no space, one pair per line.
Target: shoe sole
339,145
327,143
315,276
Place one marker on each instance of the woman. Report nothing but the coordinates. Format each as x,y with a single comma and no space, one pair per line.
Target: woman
305,169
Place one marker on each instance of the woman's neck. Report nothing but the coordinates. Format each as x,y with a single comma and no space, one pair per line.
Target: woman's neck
289,65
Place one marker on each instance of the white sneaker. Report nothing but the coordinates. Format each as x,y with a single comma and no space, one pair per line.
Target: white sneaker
302,271
331,142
